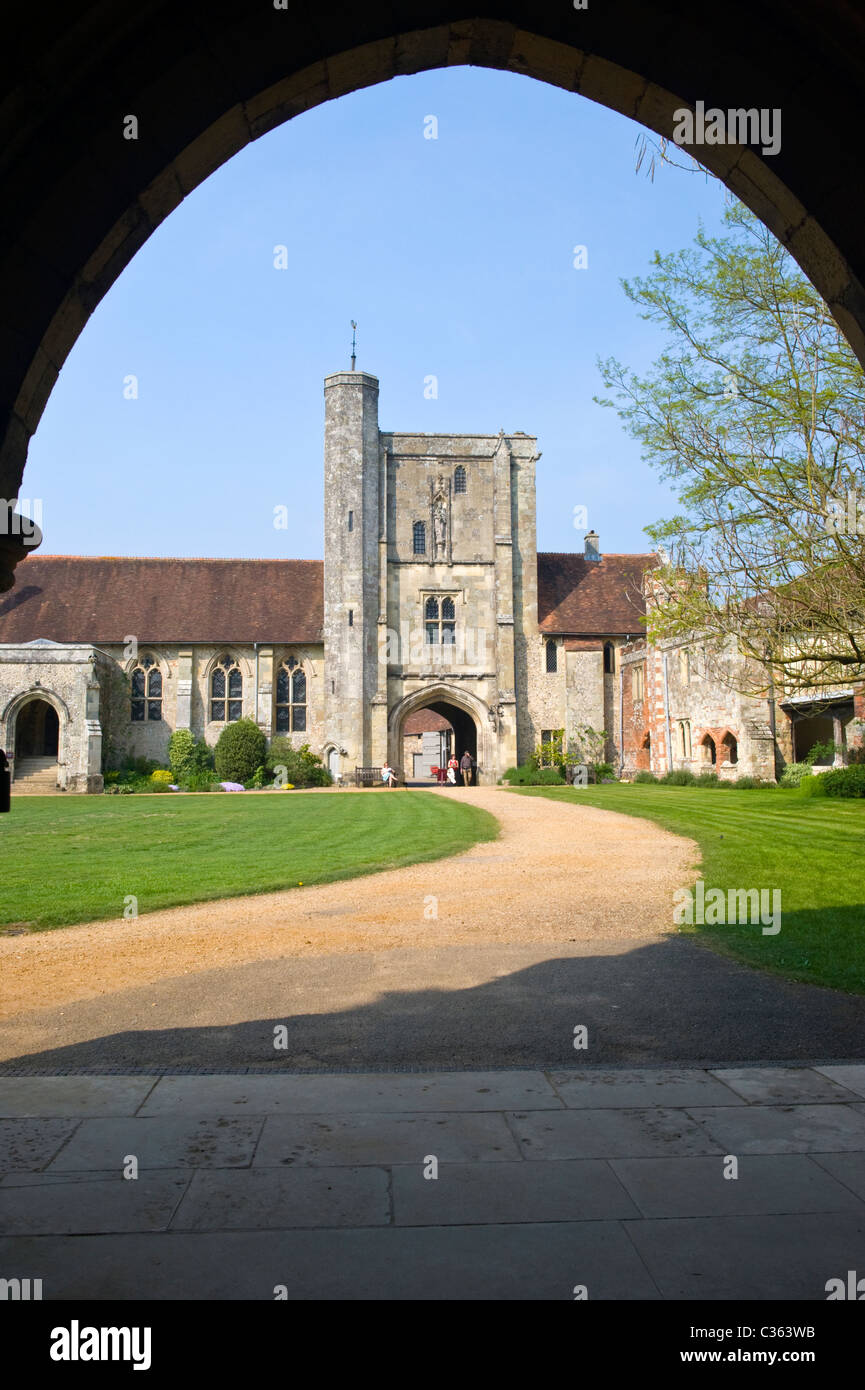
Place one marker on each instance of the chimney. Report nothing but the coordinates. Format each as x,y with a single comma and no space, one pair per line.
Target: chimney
593,546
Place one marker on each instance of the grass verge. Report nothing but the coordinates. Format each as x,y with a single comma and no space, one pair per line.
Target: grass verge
79,860
812,850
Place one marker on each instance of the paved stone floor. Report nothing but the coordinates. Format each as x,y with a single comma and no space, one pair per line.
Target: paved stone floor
316,1184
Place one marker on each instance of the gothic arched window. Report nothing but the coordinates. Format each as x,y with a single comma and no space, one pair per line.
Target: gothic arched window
440,622
552,658
459,479
146,690
226,691
291,698
418,535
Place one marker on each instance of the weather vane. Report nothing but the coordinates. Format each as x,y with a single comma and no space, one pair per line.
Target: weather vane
353,344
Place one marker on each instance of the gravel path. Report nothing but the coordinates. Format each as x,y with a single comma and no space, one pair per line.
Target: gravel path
564,920
557,873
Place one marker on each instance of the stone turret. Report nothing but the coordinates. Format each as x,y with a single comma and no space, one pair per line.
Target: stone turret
353,521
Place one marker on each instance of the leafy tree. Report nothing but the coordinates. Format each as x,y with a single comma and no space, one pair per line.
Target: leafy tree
240,749
755,412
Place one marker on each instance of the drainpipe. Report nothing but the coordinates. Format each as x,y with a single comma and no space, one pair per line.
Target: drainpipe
255,661
667,717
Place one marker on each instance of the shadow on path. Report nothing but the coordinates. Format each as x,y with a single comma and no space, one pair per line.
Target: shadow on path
667,1001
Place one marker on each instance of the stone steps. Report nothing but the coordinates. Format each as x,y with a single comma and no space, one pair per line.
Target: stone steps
35,776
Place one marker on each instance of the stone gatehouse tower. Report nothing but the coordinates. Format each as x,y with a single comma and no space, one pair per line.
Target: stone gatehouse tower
430,582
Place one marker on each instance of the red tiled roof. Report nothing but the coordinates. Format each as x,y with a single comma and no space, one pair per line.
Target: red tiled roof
82,598
425,721
581,597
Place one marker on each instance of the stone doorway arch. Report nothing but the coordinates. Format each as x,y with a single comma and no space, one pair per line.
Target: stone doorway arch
109,180
468,716
37,730
36,733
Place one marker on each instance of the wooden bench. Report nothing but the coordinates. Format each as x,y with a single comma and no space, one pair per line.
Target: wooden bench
371,776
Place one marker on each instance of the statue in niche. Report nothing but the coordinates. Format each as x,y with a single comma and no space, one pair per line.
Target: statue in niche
440,518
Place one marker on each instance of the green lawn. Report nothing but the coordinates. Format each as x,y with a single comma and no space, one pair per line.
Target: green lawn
77,859
813,850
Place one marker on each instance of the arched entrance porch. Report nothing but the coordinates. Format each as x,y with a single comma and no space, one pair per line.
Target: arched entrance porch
468,717
37,731
34,731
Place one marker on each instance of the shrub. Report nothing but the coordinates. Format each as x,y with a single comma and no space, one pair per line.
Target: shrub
161,778
603,771
644,777
187,755
708,779
746,783
821,753
202,781
680,777
844,781
240,749
180,750
303,768
530,776
793,774
813,785
137,767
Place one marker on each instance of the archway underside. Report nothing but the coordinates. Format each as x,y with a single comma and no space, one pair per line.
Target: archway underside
81,199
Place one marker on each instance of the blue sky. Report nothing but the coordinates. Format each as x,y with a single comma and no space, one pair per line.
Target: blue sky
455,256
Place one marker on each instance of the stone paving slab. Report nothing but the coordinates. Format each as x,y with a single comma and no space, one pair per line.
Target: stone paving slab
480,1194
30,1144
73,1095
766,1185
610,1134
283,1199
779,1129
848,1168
782,1086
85,1204
596,1090
313,1095
170,1141
544,1182
850,1075
750,1257
524,1262
384,1139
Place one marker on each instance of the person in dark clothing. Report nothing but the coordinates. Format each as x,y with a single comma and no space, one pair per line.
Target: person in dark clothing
466,768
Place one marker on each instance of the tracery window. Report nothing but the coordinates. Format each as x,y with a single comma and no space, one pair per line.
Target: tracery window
291,701
226,691
440,622
146,690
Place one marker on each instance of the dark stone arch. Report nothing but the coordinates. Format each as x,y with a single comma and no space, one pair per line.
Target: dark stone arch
80,199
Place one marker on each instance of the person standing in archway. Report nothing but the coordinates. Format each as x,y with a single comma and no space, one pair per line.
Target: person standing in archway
466,768
453,769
